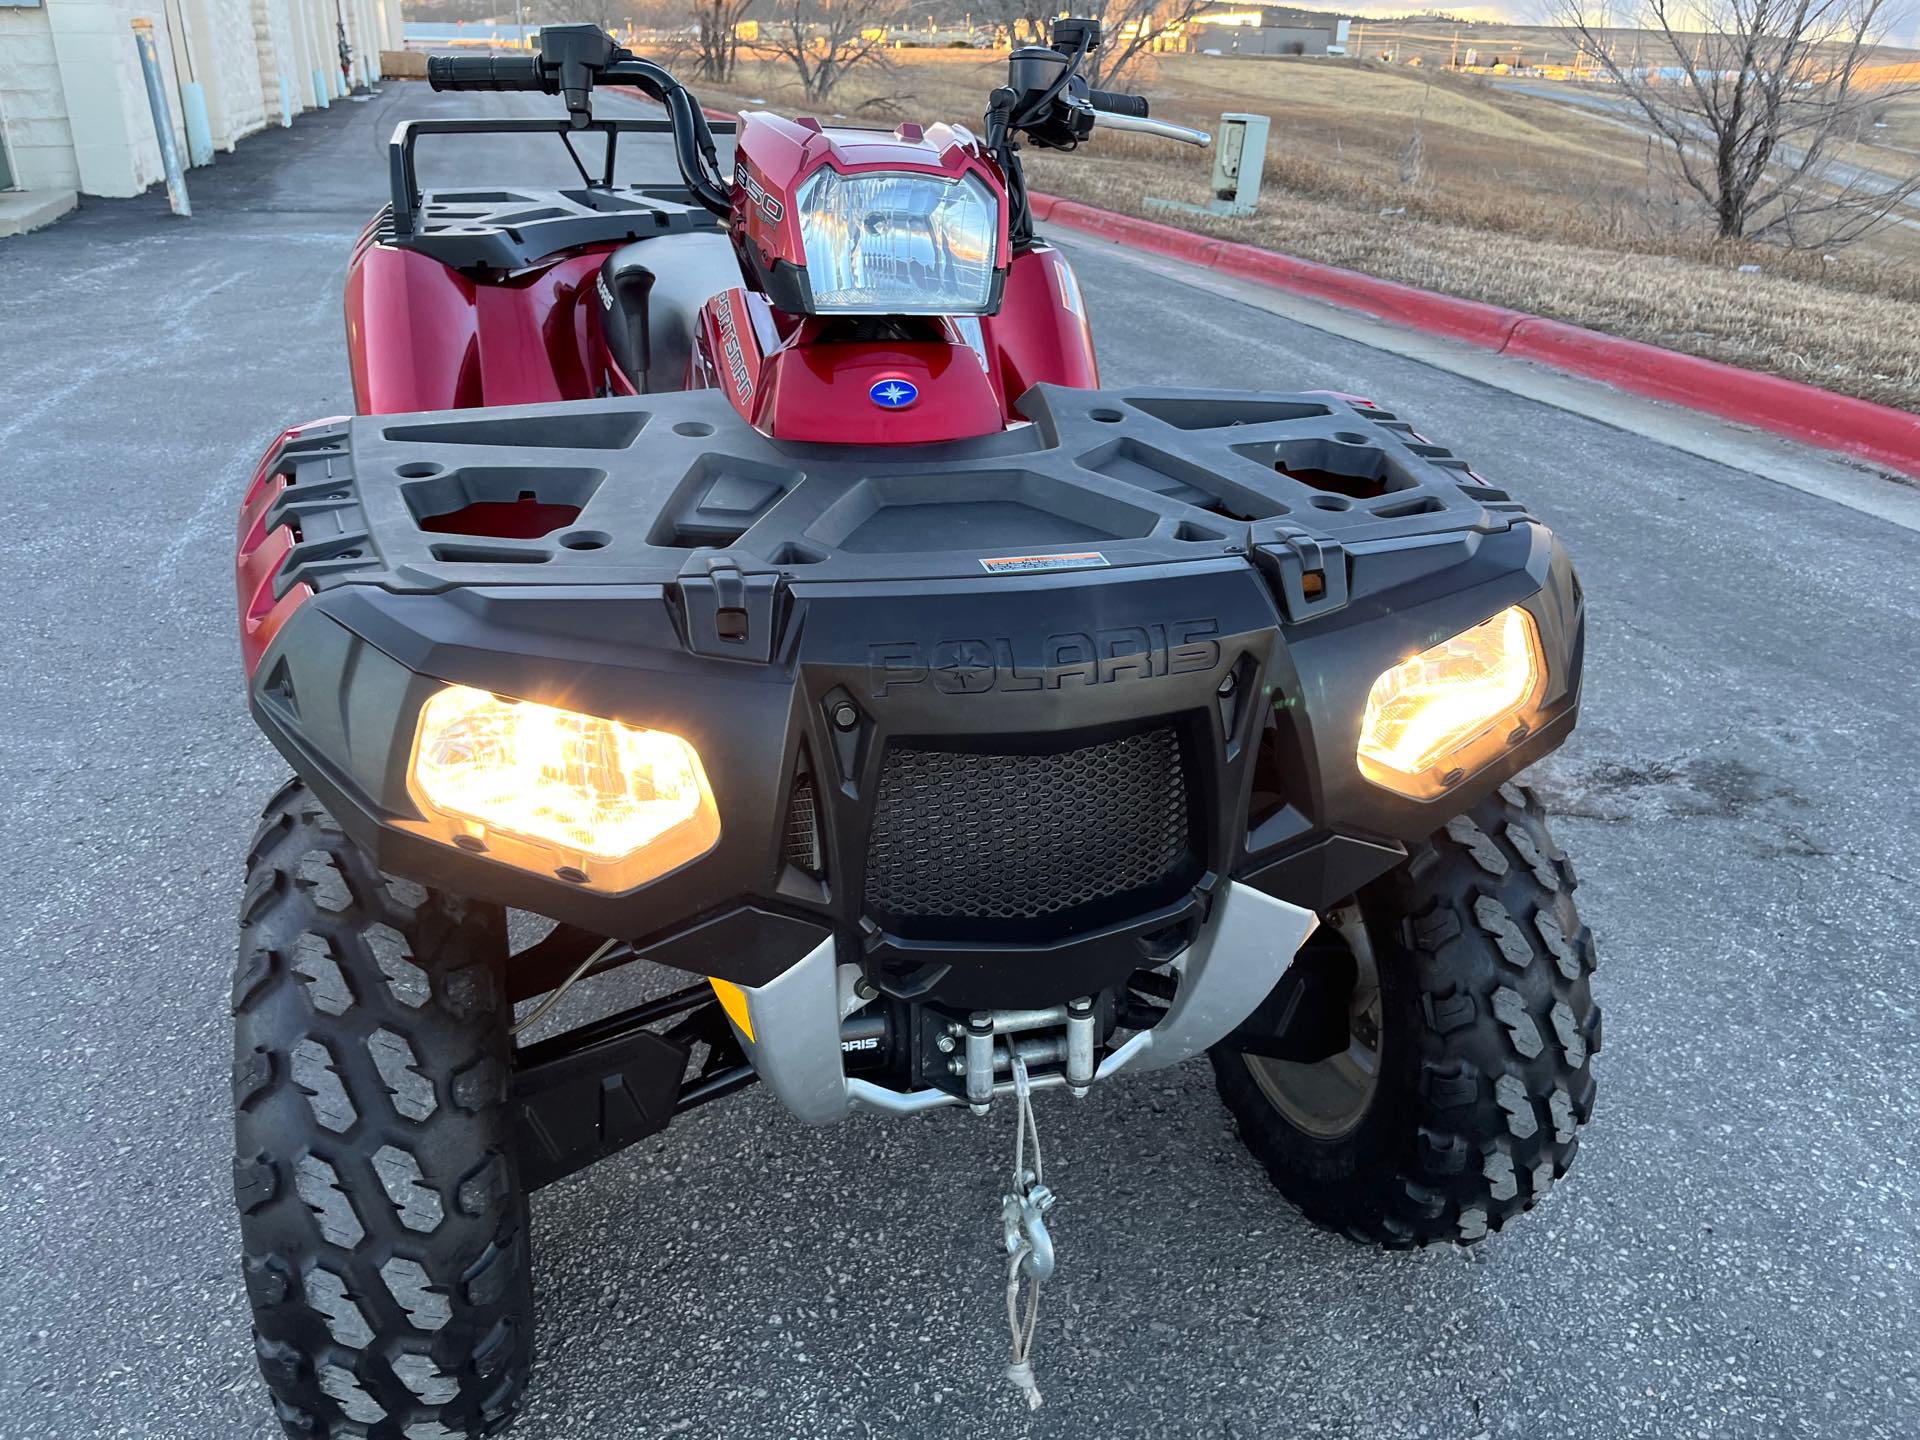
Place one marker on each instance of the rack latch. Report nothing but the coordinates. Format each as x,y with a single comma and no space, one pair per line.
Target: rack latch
1308,572
731,612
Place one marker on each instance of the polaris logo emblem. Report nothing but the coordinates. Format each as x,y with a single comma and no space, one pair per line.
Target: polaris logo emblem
962,666
893,393
1078,657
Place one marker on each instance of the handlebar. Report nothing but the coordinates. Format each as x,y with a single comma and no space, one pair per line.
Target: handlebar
572,60
1165,129
1118,110
485,72
1118,102
1047,102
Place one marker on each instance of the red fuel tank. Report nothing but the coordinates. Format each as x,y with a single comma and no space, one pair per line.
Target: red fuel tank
852,380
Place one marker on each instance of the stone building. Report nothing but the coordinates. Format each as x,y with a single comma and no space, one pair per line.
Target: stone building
74,112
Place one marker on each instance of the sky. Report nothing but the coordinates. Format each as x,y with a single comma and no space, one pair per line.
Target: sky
1518,14
1903,27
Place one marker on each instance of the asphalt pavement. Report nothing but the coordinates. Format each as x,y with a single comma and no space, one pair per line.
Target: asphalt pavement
1737,1253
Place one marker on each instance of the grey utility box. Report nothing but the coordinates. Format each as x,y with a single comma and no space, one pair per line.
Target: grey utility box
1239,155
1238,158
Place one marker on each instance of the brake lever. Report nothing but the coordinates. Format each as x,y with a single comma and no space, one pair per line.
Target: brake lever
1165,129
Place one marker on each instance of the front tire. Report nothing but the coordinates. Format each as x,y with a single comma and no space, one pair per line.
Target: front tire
382,1219
1469,1069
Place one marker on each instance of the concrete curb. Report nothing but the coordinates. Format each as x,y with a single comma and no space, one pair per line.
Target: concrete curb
1876,433
24,210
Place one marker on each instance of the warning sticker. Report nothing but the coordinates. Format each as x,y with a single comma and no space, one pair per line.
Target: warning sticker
1017,564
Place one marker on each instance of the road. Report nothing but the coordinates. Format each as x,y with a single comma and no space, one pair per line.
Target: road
1619,110
1737,1253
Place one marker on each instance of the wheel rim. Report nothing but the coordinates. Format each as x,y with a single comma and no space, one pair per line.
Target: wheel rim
1328,1098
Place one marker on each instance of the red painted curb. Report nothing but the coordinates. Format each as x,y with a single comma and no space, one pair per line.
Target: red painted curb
1874,432
1877,433
1480,324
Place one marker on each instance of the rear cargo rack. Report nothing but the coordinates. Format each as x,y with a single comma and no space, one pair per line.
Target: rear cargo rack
508,228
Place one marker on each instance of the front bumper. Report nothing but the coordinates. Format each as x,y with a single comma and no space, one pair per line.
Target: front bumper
1223,573
1266,711
793,1023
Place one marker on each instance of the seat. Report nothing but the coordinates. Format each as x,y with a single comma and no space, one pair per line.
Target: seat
650,297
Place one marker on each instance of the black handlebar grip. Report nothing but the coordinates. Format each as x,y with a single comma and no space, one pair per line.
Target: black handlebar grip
485,72
1116,102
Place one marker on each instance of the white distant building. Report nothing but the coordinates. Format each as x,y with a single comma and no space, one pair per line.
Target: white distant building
1251,27
74,113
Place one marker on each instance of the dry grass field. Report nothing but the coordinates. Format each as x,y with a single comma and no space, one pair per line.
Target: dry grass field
1445,182
1901,136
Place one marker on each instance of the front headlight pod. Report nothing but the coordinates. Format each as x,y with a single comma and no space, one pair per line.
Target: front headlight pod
1452,707
898,243
589,799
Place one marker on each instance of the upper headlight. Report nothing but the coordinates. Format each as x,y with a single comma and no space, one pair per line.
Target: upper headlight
615,803
1428,714
898,243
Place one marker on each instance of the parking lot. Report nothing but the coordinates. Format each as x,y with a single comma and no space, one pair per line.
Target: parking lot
1736,1254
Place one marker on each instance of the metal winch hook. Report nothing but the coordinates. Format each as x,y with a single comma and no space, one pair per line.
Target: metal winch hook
1029,1247
1023,1216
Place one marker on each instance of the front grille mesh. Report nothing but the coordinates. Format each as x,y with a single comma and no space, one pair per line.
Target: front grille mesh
962,836
803,829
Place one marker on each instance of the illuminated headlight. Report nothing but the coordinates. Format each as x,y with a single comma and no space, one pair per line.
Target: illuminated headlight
1451,704
897,243
588,798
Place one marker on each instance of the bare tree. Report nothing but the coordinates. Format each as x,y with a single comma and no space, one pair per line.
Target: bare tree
1413,157
613,16
823,40
1130,29
716,37
1021,22
1756,106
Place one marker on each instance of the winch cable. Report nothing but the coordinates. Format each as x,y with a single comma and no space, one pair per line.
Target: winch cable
559,992
1029,1246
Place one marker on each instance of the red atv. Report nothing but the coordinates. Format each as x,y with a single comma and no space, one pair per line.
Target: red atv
747,579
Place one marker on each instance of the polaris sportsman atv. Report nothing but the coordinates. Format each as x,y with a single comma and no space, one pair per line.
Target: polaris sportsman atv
750,578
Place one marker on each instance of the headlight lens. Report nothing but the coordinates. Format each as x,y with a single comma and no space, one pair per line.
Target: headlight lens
1426,713
896,243
612,801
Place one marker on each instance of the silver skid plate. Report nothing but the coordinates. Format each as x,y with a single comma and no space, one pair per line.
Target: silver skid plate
1240,954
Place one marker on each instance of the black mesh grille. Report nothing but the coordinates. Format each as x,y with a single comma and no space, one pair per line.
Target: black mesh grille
963,836
803,829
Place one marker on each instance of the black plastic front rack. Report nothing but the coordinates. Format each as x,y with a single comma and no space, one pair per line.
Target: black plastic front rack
660,490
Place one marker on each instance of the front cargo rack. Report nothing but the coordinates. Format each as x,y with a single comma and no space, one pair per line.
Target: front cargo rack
650,490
